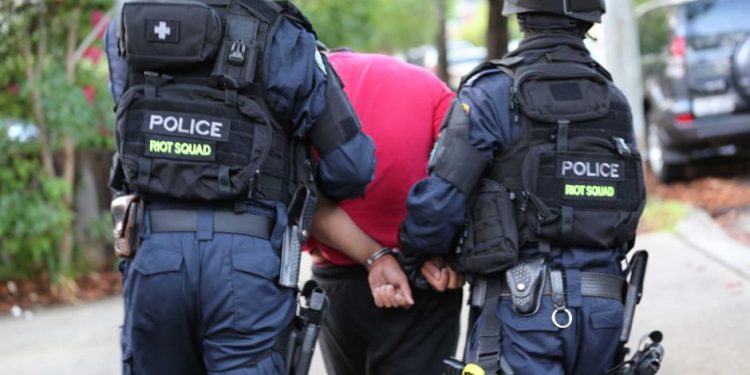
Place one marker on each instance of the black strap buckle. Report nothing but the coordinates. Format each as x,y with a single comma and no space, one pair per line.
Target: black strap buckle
237,53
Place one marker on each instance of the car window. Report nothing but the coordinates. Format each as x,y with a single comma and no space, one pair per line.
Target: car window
717,22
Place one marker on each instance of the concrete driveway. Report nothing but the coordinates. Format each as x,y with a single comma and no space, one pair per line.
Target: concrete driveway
697,293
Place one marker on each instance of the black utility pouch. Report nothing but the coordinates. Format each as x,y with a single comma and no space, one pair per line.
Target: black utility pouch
169,34
526,284
238,57
490,243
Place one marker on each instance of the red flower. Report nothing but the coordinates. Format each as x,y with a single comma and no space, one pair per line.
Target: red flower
14,89
93,54
90,93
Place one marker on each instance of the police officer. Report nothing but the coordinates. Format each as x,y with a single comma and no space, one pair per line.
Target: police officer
217,104
537,163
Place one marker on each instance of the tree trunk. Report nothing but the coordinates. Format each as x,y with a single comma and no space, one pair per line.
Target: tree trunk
442,42
497,31
68,287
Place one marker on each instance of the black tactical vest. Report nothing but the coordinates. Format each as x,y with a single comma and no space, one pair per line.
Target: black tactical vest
576,165
574,176
193,123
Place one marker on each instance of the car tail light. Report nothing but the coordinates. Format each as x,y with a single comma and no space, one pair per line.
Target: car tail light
684,119
677,47
676,62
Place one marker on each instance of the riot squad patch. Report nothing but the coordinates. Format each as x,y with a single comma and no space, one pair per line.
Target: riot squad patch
589,191
187,125
590,169
180,149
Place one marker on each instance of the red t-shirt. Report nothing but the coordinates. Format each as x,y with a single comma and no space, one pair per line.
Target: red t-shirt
401,106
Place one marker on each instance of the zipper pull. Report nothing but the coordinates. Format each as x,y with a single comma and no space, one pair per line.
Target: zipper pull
622,147
515,105
251,184
524,203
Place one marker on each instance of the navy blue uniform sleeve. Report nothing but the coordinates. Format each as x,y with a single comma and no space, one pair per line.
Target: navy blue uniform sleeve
296,85
118,68
435,208
345,172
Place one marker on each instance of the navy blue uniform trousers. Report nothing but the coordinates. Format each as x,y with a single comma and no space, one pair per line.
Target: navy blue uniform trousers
533,345
203,303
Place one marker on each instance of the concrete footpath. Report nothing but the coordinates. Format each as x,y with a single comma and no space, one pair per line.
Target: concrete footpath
697,293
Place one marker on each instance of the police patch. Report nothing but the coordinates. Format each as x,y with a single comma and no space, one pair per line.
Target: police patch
590,169
187,125
180,149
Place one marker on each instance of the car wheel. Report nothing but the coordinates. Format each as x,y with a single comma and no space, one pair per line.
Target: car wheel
665,172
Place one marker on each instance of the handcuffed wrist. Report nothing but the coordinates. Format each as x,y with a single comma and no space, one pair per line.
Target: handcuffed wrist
377,256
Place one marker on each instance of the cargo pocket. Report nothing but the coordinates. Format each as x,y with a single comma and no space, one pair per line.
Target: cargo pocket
152,260
258,302
490,243
606,314
155,283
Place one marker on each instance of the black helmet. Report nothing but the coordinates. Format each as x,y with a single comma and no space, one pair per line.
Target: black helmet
584,10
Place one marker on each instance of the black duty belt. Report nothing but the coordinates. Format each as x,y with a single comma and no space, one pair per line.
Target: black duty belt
174,220
593,284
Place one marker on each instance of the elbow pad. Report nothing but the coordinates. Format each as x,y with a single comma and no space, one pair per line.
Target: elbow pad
338,123
455,159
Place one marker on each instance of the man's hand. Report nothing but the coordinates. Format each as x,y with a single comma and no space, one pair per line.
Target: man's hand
440,276
389,285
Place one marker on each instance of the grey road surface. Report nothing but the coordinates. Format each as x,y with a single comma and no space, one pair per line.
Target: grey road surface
697,293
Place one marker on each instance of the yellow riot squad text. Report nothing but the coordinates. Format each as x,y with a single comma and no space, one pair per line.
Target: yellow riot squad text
159,146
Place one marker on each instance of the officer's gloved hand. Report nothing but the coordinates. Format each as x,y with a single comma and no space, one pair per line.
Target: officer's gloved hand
411,260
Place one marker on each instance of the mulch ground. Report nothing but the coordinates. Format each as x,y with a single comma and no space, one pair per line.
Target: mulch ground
721,187
29,294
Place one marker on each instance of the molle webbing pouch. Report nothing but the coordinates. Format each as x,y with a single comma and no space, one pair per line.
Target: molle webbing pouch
588,195
169,34
526,284
490,241
186,141
549,92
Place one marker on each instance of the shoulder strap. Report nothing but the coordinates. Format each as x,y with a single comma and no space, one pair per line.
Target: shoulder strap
506,65
294,14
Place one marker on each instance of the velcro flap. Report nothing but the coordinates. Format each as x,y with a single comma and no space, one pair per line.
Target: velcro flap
161,34
562,91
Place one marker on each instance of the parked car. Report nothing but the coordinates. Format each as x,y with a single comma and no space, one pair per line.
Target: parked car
696,77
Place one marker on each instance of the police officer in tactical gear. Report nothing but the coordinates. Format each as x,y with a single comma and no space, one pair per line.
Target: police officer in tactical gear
535,192
218,103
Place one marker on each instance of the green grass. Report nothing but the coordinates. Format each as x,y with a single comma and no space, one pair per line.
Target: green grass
662,215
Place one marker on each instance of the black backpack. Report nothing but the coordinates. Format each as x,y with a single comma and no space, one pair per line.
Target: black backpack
193,123
573,178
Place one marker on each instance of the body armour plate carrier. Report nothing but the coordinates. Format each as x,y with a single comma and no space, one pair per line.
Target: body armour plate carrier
193,124
574,176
